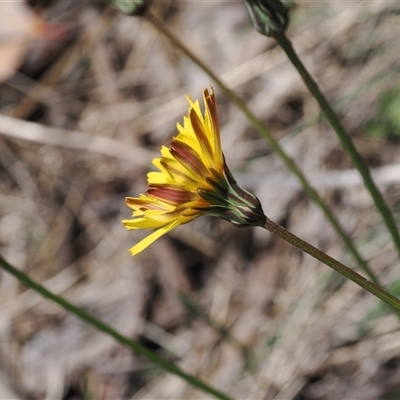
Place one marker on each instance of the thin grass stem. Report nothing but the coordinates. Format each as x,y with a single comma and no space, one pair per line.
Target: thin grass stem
108,330
348,273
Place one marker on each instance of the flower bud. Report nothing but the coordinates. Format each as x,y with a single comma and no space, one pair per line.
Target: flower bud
267,16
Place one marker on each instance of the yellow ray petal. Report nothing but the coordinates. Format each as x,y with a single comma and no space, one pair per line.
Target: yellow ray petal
156,178
165,152
202,139
150,219
147,241
179,175
144,203
196,107
212,126
187,134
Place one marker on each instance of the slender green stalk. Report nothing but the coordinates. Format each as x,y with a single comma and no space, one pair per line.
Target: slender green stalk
312,193
344,138
108,330
371,287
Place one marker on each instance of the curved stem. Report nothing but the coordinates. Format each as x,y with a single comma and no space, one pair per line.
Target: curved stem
108,330
371,287
344,138
274,144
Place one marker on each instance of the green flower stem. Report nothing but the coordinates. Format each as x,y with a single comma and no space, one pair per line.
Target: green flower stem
345,139
108,330
371,287
312,193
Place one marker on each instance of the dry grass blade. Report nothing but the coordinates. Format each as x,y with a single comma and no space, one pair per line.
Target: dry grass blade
37,133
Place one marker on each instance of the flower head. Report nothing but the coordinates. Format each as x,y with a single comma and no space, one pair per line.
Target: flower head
192,180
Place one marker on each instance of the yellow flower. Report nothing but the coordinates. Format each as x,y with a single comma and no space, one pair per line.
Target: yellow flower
192,180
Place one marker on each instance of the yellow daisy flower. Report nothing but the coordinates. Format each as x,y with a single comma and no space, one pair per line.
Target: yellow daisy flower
192,180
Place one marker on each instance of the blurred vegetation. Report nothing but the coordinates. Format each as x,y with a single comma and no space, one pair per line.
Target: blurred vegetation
386,122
